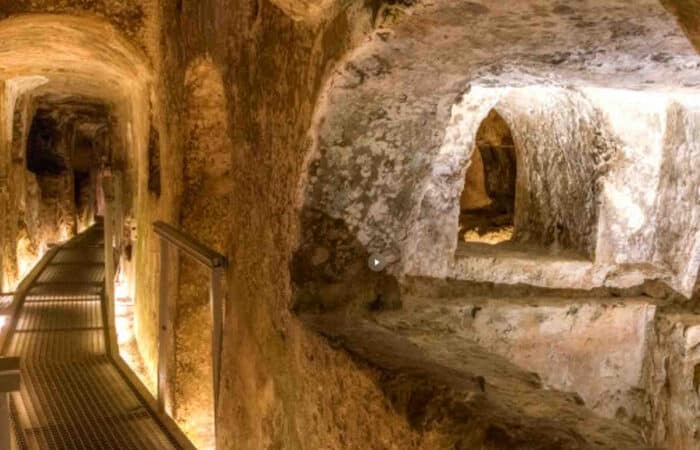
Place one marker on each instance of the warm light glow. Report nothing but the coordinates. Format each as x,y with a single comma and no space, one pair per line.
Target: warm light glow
198,428
26,256
126,339
66,233
123,320
121,287
503,234
3,322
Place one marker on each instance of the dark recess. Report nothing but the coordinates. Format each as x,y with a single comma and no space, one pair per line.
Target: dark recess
43,157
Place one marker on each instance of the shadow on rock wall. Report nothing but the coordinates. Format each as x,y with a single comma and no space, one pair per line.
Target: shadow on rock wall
330,270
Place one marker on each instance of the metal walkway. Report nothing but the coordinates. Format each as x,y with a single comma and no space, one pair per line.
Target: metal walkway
72,395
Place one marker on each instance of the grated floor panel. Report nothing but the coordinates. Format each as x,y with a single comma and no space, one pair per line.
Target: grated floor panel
72,396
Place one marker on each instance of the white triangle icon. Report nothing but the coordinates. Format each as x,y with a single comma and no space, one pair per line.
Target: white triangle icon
376,262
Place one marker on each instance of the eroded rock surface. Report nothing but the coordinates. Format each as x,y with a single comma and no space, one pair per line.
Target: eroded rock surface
596,347
206,108
471,395
396,131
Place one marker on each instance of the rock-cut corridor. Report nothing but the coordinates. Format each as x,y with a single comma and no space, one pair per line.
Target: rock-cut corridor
350,224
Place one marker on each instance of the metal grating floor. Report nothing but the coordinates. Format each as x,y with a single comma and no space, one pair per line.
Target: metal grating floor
72,396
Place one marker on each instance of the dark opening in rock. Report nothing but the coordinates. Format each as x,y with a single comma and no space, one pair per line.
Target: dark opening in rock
488,200
82,189
43,155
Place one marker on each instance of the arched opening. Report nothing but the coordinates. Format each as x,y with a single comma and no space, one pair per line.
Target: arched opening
487,204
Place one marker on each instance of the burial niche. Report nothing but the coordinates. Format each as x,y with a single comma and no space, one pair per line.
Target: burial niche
487,204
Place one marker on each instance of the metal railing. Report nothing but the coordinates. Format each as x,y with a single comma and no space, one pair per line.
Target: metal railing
173,243
9,382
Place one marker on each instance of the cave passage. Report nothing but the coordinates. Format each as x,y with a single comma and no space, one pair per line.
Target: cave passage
349,224
64,149
487,204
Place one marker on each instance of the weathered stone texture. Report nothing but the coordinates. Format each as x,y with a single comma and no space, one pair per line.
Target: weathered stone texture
282,386
396,129
232,88
475,398
674,378
596,347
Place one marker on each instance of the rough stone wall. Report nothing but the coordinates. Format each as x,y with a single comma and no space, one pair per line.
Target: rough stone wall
282,386
57,214
674,380
4,147
562,160
30,243
678,203
474,195
8,258
393,135
596,348
305,395
647,214
20,251
627,225
205,215
41,207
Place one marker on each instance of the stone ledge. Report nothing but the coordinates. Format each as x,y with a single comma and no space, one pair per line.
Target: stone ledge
472,391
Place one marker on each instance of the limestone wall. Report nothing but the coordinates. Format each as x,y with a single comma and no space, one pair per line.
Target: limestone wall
393,138
396,151
678,202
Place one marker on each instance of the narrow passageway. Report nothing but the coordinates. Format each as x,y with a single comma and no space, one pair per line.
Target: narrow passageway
350,224
72,395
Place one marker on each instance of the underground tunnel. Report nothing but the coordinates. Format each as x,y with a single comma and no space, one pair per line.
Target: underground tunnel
349,224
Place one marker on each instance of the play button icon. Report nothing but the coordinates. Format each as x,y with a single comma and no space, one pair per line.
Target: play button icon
376,263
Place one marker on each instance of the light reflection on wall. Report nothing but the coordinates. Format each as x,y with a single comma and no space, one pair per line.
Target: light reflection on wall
126,339
28,254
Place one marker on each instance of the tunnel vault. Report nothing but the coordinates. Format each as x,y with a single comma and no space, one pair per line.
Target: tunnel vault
59,78
77,103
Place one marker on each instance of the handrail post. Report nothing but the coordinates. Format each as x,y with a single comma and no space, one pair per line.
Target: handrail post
174,240
108,189
5,421
9,382
166,335
216,302
118,210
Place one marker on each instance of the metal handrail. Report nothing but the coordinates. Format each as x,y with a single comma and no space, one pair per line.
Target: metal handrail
194,248
9,382
172,242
